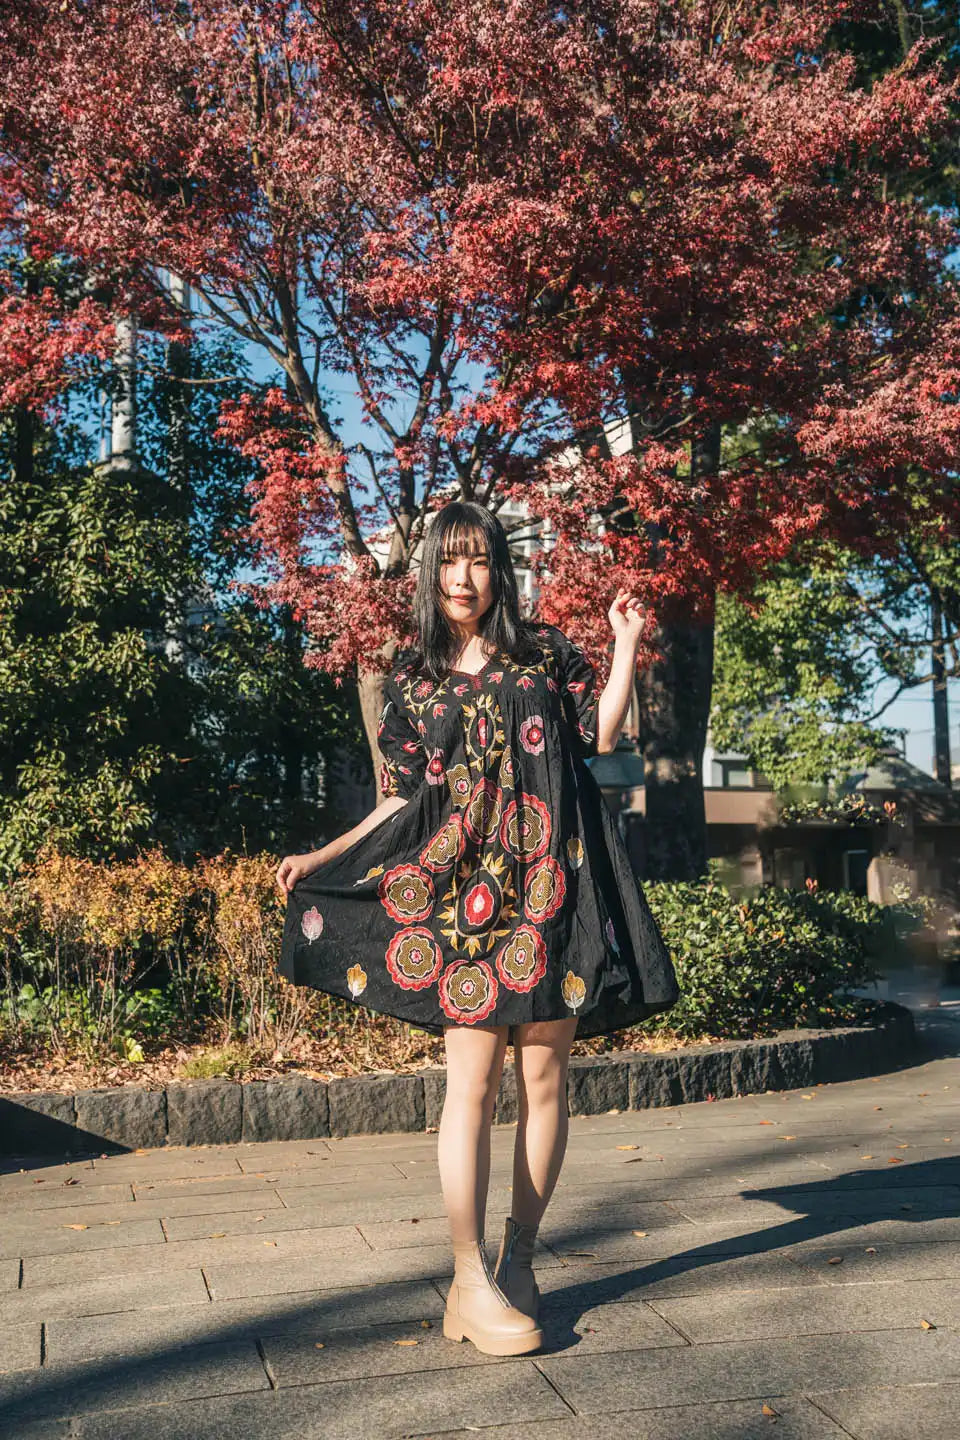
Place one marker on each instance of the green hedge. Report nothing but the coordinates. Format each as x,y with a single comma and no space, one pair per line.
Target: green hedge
778,959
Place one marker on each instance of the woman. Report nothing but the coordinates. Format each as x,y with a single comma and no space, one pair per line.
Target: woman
489,897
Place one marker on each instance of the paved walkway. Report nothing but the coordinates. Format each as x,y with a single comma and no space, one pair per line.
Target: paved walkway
778,1265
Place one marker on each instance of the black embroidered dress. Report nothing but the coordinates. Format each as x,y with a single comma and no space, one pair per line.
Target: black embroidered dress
502,892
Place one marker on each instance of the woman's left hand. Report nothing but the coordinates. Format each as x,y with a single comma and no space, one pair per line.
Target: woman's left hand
627,616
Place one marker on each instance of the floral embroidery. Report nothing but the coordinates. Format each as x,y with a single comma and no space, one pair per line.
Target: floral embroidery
413,959
480,903
525,828
458,779
312,923
406,893
468,991
482,815
575,851
532,736
356,980
445,847
522,962
611,935
506,768
436,771
546,888
573,990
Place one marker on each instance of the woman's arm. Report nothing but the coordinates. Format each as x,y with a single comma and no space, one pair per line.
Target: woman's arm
295,867
626,616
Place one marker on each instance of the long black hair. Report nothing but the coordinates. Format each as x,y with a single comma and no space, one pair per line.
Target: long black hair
464,528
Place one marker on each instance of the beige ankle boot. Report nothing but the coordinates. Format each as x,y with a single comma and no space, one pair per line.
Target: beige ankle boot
514,1268
478,1310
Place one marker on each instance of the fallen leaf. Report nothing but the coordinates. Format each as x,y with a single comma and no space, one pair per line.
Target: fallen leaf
767,1122
141,1152
72,1181
786,1137
318,1345
894,1160
903,1145
637,1159
406,1342
948,1139
866,1157
270,1242
426,1324
217,1235
878,1107
835,1260
808,1097
76,1227
258,1218
870,1250
922,1093
640,1234
415,1220
628,1147
927,1325
769,1411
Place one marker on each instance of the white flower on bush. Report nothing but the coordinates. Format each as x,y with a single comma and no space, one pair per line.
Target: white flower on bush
312,923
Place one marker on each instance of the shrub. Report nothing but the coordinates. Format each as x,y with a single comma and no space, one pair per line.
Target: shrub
779,959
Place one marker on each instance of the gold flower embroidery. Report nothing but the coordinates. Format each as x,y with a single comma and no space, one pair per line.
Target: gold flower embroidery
356,980
575,851
574,990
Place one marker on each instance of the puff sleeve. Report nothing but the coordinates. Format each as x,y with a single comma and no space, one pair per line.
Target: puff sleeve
404,758
577,679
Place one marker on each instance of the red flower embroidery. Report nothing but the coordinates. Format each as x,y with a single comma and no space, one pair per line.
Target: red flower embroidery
436,770
546,888
468,992
413,959
522,962
439,710
525,828
525,682
531,735
406,893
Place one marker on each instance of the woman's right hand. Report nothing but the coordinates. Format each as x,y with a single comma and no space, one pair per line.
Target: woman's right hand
294,868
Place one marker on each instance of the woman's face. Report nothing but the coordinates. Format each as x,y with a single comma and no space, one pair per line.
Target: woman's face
466,592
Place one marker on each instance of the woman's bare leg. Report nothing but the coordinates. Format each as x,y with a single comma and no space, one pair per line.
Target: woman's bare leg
474,1065
542,1053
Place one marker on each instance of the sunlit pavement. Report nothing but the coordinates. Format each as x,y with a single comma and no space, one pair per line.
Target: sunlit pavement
779,1265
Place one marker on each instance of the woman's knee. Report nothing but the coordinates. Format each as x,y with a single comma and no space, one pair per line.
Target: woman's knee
542,1055
474,1065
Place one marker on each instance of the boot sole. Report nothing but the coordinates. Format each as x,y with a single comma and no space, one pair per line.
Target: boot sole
492,1344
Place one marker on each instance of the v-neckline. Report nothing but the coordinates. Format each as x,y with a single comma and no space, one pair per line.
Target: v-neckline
472,674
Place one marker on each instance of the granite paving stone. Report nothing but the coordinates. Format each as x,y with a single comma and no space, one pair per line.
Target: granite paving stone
218,1248
104,1295
920,1412
598,1283
794,1419
20,1240
20,1347
744,1369
63,1197
97,1385
317,1313
813,1311
9,1274
230,1282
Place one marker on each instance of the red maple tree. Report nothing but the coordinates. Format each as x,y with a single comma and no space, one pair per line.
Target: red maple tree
514,229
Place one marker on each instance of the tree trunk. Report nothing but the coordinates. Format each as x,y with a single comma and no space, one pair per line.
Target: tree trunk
674,707
674,696
941,714
370,688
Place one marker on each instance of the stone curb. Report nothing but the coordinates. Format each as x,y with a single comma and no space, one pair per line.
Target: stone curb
225,1112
